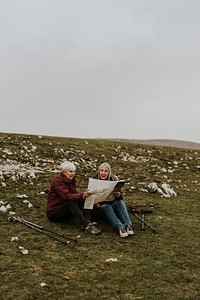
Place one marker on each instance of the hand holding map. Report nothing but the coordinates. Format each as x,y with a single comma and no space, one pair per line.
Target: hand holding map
100,191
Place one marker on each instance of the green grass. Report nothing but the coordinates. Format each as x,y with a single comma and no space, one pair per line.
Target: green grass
149,266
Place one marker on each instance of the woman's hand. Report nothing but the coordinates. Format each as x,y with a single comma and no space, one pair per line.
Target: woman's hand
97,205
86,193
117,194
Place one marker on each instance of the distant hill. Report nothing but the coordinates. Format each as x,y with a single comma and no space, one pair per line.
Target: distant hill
167,143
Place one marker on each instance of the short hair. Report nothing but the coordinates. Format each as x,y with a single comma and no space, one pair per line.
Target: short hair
67,166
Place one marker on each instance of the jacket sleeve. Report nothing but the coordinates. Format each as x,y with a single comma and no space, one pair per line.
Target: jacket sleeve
61,189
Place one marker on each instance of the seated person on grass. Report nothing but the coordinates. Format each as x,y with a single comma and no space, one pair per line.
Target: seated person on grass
64,202
114,209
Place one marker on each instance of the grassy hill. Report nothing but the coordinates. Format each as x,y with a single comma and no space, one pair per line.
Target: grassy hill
162,265
167,143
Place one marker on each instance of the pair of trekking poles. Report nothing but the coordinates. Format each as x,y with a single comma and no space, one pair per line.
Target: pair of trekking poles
60,237
65,239
142,219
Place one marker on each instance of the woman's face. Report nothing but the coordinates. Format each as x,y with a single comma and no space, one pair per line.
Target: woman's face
69,174
104,173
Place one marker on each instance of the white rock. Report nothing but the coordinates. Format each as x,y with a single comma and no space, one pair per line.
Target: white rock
3,208
111,259
42,284
23,250
14,238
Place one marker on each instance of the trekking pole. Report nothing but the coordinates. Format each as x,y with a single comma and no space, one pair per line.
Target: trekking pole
42,230
143,222
51,231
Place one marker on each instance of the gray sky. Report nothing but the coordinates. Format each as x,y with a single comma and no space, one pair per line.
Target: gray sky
101,68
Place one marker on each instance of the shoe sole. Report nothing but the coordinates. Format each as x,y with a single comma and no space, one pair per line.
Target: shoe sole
130,233
123,236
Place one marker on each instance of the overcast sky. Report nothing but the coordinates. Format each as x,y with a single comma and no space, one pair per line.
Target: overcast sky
101,68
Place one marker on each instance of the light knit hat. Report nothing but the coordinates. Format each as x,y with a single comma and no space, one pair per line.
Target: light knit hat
67,166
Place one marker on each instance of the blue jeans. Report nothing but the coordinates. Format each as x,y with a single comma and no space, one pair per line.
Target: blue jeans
117,214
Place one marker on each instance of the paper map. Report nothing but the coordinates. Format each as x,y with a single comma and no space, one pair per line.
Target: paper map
101,190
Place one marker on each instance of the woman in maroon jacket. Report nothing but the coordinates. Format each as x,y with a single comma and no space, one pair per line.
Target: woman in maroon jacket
64,202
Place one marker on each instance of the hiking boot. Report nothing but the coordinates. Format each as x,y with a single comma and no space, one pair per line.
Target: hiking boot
92,221
90,228
123,233
129,230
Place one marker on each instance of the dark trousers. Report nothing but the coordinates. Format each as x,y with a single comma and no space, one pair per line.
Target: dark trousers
96,214
67,211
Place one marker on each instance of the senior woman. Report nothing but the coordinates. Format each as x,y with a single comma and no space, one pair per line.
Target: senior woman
64,202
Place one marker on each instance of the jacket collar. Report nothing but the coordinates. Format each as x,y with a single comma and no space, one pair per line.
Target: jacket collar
66,179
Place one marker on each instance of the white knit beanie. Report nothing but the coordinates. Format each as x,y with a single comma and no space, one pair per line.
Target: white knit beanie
67,166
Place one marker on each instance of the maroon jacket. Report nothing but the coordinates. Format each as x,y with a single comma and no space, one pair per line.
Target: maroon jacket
61,190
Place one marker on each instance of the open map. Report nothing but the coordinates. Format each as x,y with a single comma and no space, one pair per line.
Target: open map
101,190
